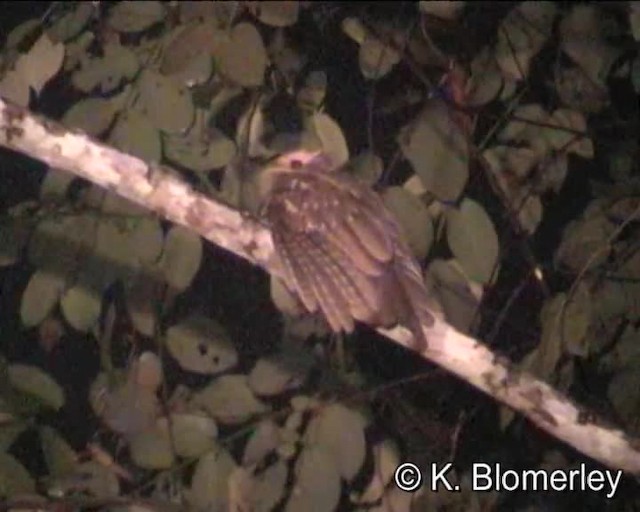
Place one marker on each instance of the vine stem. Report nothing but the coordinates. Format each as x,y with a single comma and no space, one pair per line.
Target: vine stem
158,190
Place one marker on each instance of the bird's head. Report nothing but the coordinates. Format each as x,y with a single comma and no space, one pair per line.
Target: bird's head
260,185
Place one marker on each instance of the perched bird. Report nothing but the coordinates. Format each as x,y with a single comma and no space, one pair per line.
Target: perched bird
342,252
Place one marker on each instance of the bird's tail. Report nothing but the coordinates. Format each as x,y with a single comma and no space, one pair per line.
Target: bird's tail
416,310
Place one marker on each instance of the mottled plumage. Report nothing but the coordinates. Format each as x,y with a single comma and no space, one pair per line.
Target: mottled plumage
342,251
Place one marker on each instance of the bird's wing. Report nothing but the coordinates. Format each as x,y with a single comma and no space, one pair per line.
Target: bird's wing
343,253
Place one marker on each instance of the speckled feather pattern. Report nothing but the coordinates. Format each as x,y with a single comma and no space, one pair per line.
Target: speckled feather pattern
343,253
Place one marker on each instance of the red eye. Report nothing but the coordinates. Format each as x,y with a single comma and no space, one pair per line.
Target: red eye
296,164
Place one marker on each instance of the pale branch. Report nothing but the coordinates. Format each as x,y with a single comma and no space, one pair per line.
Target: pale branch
157,188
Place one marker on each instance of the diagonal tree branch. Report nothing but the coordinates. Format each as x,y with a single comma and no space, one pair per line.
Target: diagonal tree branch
156,188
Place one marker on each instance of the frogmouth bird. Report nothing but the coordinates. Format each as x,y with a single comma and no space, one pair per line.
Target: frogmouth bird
342,252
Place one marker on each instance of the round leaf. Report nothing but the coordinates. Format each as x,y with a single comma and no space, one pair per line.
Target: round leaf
40,297
61,459
201,345
143,295
585,241
146,239
376,59
198,153
132,16
243,57
71,24
230,400
188,44
91,115
41,63
334,145
264,440
282,372
113,247
167,105
57,243
566,323
118,64
473,240
453,289
134,134
194,435
126,408
317,481
485,81
81,307
339,432
438,151
151,448
181,257
14,478
269,486
209,485
276,13
33,381
414,218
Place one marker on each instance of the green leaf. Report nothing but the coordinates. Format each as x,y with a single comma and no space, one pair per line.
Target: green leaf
133,133
14,478
194,434
33,381
201,345
167,105
473,240
61,459
438,151
413,217
181,257
242,57
339,432
317,481
209,485
40,297
230,400
81,307
151,448
133,16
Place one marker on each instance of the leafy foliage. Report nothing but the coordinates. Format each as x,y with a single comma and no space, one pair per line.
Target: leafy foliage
471,133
